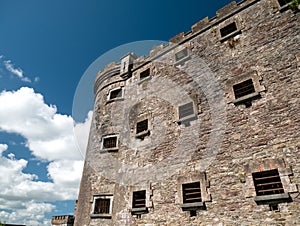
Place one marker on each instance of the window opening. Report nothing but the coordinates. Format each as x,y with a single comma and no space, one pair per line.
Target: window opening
267,182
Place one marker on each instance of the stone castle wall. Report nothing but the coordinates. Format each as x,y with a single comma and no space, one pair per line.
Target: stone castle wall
221,145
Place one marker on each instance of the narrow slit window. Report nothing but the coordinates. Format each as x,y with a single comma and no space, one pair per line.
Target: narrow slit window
181,54
243,88
110,142
191,192
283,2
186,110
267,182
102,206
230,28
116,93
139,199
145,74
142,126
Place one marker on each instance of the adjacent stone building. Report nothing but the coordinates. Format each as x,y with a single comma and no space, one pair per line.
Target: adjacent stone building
63,220
203,131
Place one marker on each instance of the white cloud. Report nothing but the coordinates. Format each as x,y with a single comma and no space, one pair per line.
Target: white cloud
16,71
31,213
3,148
50,137
82,131
49,134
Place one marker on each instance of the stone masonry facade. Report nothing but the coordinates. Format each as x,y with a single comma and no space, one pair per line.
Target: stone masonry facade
204,130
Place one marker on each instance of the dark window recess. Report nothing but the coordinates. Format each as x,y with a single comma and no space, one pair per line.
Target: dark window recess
267,183
142,126
109,142
117,93
191,192
139,199
102,206
243,88
274,207
145,74
181,54
228,29
283,2
186,110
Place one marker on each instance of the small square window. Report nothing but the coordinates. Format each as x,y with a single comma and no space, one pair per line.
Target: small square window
139,203
181,54
186,112
145,74
191,192
139,199
243,88
142,126
230,28
115,94
110,143
102,206
267,182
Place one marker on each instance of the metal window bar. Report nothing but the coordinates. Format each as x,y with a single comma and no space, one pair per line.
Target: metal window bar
145,74
181,54
243,88
283,2
142,126
115,94
267,182
228,29
110,142
191,192
139,199
102,206
186,110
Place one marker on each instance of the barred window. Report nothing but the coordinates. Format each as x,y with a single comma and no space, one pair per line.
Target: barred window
186,110
145,74
139,199
267,182
230,28
142,126
102,206
181,54
243,88
191,192
110,142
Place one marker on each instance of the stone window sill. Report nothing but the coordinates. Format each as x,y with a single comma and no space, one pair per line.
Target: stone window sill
187,119
144,79
115,99
192,206
109,150
101,215
247,98
143,134
139,211
272,199
182,61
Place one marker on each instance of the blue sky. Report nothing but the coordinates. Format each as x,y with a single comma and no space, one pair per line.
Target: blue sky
45,49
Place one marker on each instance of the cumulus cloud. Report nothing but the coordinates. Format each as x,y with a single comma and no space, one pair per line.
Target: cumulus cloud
15,71
49,134
82,131
50,137
31,213
3,147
